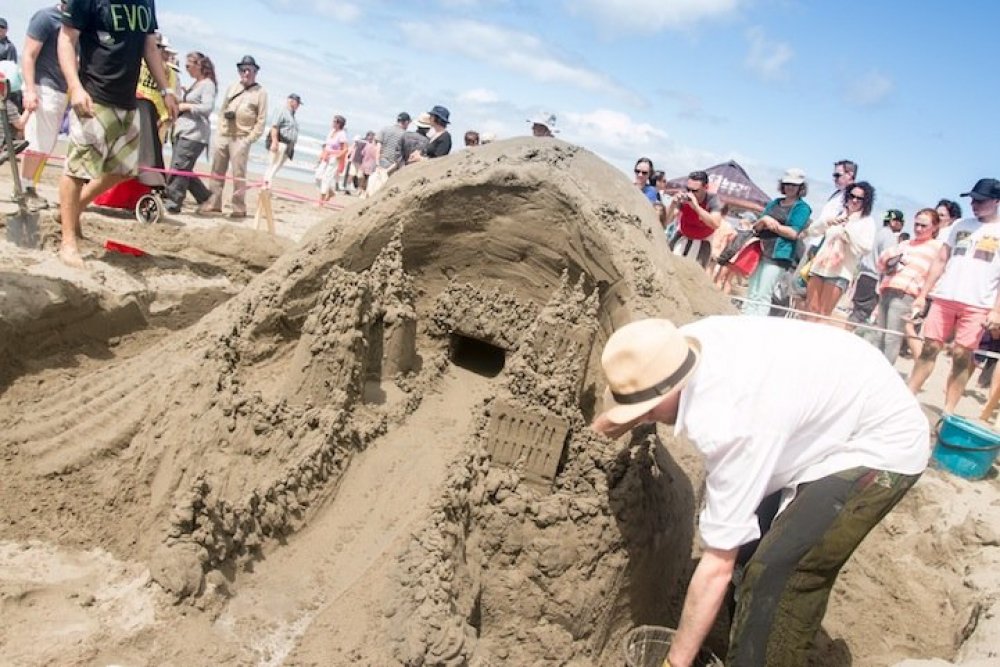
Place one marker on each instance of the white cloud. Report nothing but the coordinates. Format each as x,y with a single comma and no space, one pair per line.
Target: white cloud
647,17
868,89
518,52
613,128
767,58
331,9
479,96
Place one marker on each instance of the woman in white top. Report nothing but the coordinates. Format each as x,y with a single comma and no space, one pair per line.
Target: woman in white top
846,239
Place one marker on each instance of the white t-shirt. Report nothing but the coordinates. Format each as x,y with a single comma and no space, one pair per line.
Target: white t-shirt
972,274
766,421
833,207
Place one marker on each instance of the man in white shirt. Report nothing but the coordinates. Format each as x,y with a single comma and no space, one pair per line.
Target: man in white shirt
831,446
845,172
963,282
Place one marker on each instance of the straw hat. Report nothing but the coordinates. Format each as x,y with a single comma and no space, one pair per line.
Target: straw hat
643,362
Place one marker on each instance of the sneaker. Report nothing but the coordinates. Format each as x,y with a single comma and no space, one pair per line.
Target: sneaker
172,207
35,201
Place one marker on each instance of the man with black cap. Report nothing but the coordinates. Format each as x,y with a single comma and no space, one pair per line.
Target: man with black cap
281,137
415,142
240,124
801,461
866,286
963,282
388,153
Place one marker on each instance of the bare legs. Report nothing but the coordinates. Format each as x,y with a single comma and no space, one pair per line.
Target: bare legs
821,298
74,195
958,378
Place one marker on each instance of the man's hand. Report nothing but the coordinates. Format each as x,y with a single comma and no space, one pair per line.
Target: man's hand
918,306
993,321
170,101
30,100
82,105
609,429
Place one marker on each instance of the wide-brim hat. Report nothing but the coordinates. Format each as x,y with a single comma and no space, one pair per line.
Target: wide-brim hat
985,188
644,362
247,61
441,113
424,120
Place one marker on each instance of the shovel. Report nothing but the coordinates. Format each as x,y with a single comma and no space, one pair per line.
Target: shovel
22,227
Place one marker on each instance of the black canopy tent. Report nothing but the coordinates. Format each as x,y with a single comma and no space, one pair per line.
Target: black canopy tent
732,184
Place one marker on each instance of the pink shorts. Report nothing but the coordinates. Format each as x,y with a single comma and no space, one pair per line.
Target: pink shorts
950,317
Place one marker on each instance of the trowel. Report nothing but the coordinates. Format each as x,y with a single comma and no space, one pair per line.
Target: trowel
22,227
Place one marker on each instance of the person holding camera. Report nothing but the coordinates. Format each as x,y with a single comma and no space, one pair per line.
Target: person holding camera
904,270
241,123
699,214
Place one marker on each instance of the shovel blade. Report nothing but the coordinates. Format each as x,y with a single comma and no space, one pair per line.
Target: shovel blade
22,230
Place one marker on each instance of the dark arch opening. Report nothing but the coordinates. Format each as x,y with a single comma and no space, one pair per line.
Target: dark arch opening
476,355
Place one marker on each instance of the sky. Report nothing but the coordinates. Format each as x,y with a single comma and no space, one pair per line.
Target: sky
906,89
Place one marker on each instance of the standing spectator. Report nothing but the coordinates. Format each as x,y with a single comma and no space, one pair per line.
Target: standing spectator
847,238
369,156
644,179
964,282
281,138
471,138
948,211
440,143
543,125
192,131
778,229
389,141
240,124
332,158
153,118
355,160
844,174
904,270
104,126
866,293
699,214
44,97
415,142
7,49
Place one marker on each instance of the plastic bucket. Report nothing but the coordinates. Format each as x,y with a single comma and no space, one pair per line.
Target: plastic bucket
648,645
965,448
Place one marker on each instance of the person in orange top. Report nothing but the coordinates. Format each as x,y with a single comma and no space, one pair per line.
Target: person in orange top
904,270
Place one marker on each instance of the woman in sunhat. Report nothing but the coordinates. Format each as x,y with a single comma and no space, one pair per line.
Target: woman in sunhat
802,461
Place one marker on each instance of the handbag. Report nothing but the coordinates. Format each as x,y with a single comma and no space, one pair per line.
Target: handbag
746,260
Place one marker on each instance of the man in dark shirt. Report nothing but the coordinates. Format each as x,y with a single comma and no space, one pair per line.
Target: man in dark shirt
7,49
416,142
113,39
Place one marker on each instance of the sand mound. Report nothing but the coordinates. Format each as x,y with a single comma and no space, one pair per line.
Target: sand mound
515,262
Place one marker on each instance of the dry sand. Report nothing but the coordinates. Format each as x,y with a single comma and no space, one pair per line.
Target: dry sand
245,451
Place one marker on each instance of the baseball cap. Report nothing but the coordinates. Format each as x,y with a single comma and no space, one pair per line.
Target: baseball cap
295,96
985,188
403,117
893,215
3,23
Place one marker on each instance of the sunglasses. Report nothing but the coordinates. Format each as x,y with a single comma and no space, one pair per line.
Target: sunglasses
855,197
836,175
919,225
640,172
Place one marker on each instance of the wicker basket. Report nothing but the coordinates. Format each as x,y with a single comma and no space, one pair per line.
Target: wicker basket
648,645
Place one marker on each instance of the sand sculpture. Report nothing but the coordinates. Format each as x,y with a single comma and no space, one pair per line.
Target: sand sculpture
404,397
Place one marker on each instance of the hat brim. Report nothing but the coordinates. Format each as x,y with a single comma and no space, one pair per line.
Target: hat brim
623,413
977,196
787,182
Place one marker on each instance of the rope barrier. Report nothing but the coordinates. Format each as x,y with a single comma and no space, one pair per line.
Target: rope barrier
855,325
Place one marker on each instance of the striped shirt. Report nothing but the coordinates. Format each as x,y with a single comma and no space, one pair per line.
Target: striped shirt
917,257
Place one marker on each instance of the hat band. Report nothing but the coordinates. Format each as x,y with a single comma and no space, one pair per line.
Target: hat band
660,388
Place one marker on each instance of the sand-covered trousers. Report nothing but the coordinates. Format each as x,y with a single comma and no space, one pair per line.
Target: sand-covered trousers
786,584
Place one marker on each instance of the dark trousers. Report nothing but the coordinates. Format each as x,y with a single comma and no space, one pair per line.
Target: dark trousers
186,154
865,299
783,592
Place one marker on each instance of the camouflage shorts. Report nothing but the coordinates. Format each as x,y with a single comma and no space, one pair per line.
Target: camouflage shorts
105,143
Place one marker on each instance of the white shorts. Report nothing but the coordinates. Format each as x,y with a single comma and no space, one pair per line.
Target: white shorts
42,128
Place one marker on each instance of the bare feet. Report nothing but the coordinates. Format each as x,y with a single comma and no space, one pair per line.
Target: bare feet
70,256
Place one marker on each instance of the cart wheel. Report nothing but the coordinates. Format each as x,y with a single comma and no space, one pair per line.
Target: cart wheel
149,209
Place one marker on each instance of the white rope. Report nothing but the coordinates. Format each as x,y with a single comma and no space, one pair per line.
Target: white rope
856,325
